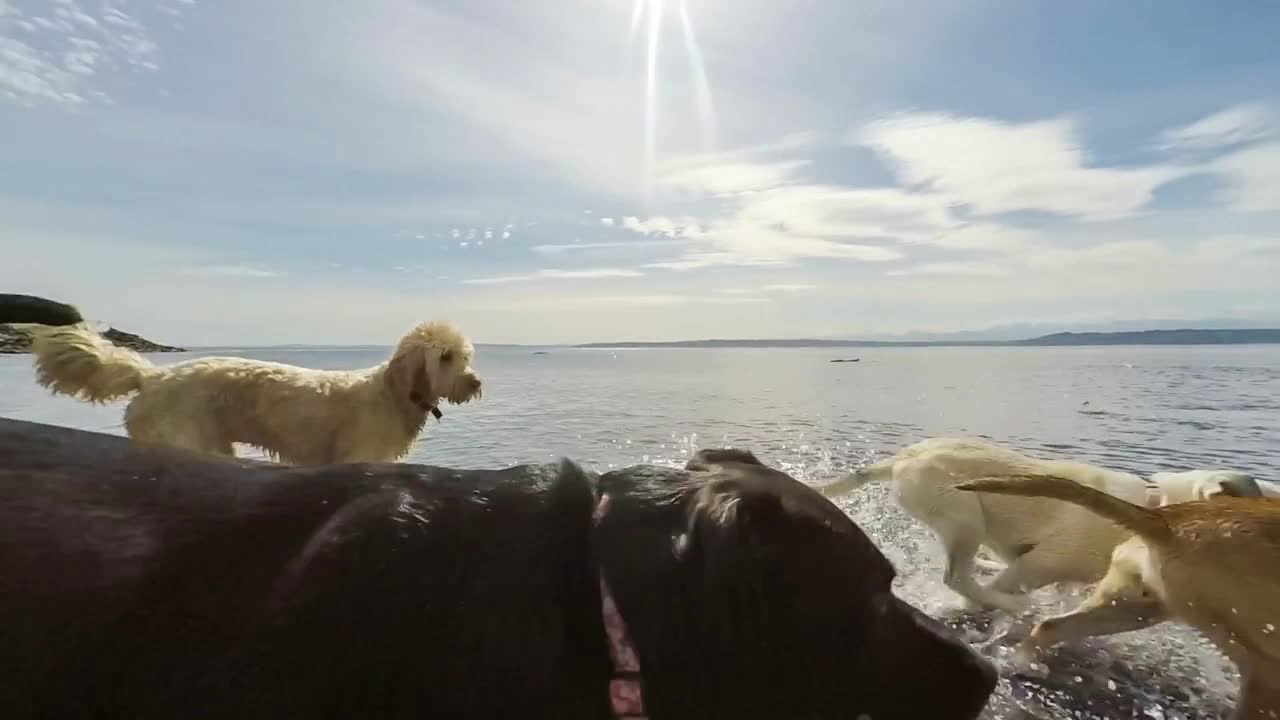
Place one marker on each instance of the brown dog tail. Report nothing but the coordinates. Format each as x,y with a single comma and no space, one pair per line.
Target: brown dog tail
1145,523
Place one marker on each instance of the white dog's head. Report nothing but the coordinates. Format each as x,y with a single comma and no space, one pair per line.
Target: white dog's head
1191,485
433,363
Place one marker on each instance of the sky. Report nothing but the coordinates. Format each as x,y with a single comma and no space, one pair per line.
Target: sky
311,171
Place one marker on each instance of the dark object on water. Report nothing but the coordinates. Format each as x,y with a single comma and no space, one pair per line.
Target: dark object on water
848,360
148,583
137,343
539,352
17,309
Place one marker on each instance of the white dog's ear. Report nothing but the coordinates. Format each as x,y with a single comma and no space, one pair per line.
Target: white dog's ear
409,376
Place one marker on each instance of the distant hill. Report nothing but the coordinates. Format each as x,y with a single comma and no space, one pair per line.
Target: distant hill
1226,336
1244,336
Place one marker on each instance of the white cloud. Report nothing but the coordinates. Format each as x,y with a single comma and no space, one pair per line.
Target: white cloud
699,260
998,167
1234,247
556,248
958,268
684,227
229,271
1252,178
779,288
639,301
789,287
554,274
728,177
61,53
606,221
851,213
1239,124
796,222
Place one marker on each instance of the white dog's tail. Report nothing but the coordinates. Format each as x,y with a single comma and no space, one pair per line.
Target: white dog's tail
74,360
875,472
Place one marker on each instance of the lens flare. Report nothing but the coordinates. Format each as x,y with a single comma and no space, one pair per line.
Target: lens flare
706,107
651,90
652,11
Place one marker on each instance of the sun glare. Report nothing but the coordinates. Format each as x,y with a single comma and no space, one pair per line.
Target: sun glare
652,11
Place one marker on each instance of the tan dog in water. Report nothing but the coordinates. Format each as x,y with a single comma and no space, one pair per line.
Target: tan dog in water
1212,564
1041,541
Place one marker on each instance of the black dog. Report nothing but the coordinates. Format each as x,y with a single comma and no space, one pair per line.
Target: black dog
149,583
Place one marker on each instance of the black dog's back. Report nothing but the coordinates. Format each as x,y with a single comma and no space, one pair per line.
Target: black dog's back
176,586
149,583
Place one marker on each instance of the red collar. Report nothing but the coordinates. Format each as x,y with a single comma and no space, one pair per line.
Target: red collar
626,694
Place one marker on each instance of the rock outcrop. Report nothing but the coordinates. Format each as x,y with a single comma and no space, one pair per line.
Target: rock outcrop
14,340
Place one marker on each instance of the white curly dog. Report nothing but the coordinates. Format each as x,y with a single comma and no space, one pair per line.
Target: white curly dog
297,415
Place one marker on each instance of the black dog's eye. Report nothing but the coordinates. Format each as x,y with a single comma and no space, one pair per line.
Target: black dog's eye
447,356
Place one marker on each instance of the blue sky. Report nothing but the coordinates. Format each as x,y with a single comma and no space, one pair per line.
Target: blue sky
581,170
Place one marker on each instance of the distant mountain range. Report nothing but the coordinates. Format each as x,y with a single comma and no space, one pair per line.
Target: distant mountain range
1021,331
1201,336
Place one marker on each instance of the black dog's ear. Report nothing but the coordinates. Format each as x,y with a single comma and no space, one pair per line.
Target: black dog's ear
736,546
705,458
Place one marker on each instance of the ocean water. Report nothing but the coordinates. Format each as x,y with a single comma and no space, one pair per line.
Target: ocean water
1140,409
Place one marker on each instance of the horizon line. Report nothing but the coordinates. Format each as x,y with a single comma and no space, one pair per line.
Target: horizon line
792,342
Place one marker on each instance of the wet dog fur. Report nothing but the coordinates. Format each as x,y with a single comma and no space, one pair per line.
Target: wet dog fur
150,583
1212,564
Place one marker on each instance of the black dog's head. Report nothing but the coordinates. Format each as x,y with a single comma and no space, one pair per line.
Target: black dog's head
779,606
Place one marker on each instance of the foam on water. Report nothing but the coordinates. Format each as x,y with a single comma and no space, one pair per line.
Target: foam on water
1167,672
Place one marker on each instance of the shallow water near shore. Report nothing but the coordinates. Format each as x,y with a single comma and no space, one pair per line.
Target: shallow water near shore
1140,409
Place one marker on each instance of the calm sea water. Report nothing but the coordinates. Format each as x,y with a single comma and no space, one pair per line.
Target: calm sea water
1130,408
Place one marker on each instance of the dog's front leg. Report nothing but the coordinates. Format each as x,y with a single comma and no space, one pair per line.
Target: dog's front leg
1030,571
961,549
1101,614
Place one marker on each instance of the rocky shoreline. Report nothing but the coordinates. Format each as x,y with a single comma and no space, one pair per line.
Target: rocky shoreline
15,341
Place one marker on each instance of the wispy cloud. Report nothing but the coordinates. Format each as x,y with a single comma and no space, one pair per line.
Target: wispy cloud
778,288
683,227
557,248
785,220
642,301
1251,177
554,274
789,287
1239,124
229,271
728,177
957,268
1001,167
61,52
956,179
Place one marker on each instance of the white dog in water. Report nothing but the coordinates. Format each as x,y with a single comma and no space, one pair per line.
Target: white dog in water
1042,541
299,415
